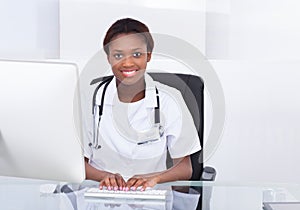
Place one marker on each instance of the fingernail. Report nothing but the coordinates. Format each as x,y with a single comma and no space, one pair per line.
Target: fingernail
115,188
109,188
127,188
133,188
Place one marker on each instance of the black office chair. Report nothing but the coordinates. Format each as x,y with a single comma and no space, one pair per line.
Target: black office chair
192,90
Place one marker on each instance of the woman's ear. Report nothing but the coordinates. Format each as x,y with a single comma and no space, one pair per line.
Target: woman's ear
149,54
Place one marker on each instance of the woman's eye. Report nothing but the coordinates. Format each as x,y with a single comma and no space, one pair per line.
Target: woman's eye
118,56
137,54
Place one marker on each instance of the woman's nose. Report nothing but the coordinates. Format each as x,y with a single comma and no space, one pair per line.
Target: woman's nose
128,61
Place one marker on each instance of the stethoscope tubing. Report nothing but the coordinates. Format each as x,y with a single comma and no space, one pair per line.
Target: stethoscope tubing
96,124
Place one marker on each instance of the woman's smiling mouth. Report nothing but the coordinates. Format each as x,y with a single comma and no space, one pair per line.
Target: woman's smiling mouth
129,73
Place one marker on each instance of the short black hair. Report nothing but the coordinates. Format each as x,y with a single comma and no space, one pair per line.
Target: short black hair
128,26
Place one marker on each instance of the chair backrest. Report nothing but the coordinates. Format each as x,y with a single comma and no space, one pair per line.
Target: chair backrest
192,90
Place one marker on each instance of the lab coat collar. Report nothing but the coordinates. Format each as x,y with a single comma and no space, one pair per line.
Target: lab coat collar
150,95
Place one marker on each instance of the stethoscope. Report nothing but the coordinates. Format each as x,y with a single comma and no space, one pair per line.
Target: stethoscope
152,135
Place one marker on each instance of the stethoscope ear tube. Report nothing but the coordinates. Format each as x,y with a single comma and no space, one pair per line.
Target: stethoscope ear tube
95,143
105,81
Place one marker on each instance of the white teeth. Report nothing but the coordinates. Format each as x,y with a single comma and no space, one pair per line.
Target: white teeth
128,72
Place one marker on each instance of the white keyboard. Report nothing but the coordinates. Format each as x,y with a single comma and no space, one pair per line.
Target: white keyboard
150,194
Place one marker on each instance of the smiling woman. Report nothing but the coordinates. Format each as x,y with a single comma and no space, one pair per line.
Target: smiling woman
134,144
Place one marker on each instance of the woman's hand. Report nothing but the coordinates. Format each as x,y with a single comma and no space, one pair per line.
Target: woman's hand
142,181
113,182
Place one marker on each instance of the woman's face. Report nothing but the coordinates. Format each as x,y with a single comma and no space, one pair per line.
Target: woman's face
128,57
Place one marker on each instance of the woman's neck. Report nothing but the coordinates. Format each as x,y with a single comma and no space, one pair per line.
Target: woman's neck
131,93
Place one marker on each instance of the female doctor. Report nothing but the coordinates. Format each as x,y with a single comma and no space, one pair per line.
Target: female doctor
133,143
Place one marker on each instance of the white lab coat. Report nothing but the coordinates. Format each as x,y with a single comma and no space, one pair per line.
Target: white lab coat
121,124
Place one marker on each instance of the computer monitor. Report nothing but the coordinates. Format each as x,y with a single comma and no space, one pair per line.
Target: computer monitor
40,135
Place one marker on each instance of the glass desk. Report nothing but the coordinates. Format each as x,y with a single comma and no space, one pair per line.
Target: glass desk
21,194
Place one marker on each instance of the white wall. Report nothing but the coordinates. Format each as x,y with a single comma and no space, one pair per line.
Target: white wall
260,142
257,29
29,29
259,41
83,23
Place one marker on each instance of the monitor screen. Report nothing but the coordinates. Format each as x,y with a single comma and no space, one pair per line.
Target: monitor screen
40,135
